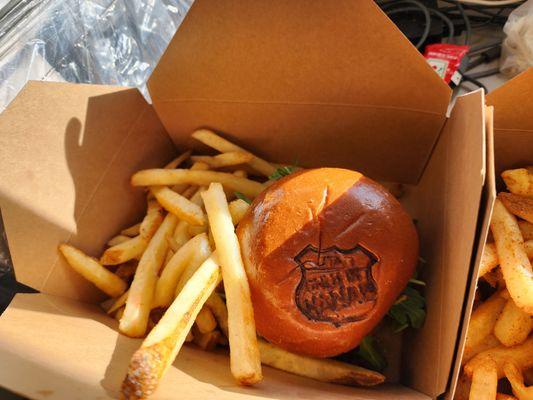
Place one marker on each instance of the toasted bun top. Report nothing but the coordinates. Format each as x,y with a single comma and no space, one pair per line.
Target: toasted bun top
327,252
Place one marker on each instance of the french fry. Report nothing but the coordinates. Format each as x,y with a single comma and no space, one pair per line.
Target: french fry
152,220
222,145
218,307
126,271
463,387
155,177
521,206
132,231
237,209
228,159
178,160
513,325
106,304
119,314
188,192
159,349
484,381
504,396
207,341
178,205
244,353
139,301
205,320
200,166
119,302
170,252
516,379
483,320
117,240
199,256
93,271
241,173
521,355
325,370
514,262
181,234
124,252
196,230
489,259
486,343
495,278
519,181
527,229
168,281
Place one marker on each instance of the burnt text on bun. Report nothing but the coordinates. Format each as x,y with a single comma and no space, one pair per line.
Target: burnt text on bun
327,252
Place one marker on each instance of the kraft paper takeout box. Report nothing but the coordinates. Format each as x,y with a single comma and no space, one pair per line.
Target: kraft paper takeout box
509,122
323,84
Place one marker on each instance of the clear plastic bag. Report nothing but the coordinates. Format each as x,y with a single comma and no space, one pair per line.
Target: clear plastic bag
517,48
116,42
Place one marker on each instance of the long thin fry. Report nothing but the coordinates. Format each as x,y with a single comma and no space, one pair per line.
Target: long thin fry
205,320
167,282
218,307
93,271
117,240
225,159
119,302
244,354
211,139
238,209
320,369
514,262
178,160
124,252
178,205
155,177
161,346
139,302
484,382
489,259
513,325
152,220
132,231
198,257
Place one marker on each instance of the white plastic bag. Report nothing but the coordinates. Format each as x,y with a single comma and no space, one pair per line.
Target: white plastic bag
517,48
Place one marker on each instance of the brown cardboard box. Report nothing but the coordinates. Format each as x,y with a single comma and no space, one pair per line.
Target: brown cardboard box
509,145
322,83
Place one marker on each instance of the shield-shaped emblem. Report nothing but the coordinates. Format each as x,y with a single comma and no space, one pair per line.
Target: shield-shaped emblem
336,285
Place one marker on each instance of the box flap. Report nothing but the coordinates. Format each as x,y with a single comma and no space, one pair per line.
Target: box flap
332,75
513,125
65,362
448,197
485,212
62,169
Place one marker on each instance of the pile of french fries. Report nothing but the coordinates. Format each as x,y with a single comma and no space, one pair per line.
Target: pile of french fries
177,276
499,343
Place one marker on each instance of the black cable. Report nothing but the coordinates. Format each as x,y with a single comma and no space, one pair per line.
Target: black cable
468,27
468,78
422,8
444,18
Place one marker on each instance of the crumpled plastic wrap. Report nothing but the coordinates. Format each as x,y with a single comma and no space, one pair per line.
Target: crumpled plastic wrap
115,42
517,48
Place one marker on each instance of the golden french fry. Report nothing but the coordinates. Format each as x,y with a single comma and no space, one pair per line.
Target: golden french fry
218,307
241,173
119,314
181,234
516,379
237,209
170,252
514,262
527,230
244,353
132,231
325,370
119,302
139,301
93,271
482,321
152,220
489,259
198,257
521,355
168,281
207,341
222,145
124,252
117,240
484,381
228,159
151,177
178,160
521,206
159,349
178,205
126,271
205,320
486,343
196,230
188,192
504,396
513,325
519,181
200,166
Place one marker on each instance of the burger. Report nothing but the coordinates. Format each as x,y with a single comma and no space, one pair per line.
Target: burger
327,252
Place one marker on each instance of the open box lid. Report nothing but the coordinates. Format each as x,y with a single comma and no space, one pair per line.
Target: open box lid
328,72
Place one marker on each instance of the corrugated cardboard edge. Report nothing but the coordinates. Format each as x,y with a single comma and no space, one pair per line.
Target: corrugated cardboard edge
485,212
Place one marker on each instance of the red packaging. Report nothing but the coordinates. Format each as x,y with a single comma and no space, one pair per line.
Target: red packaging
445,59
